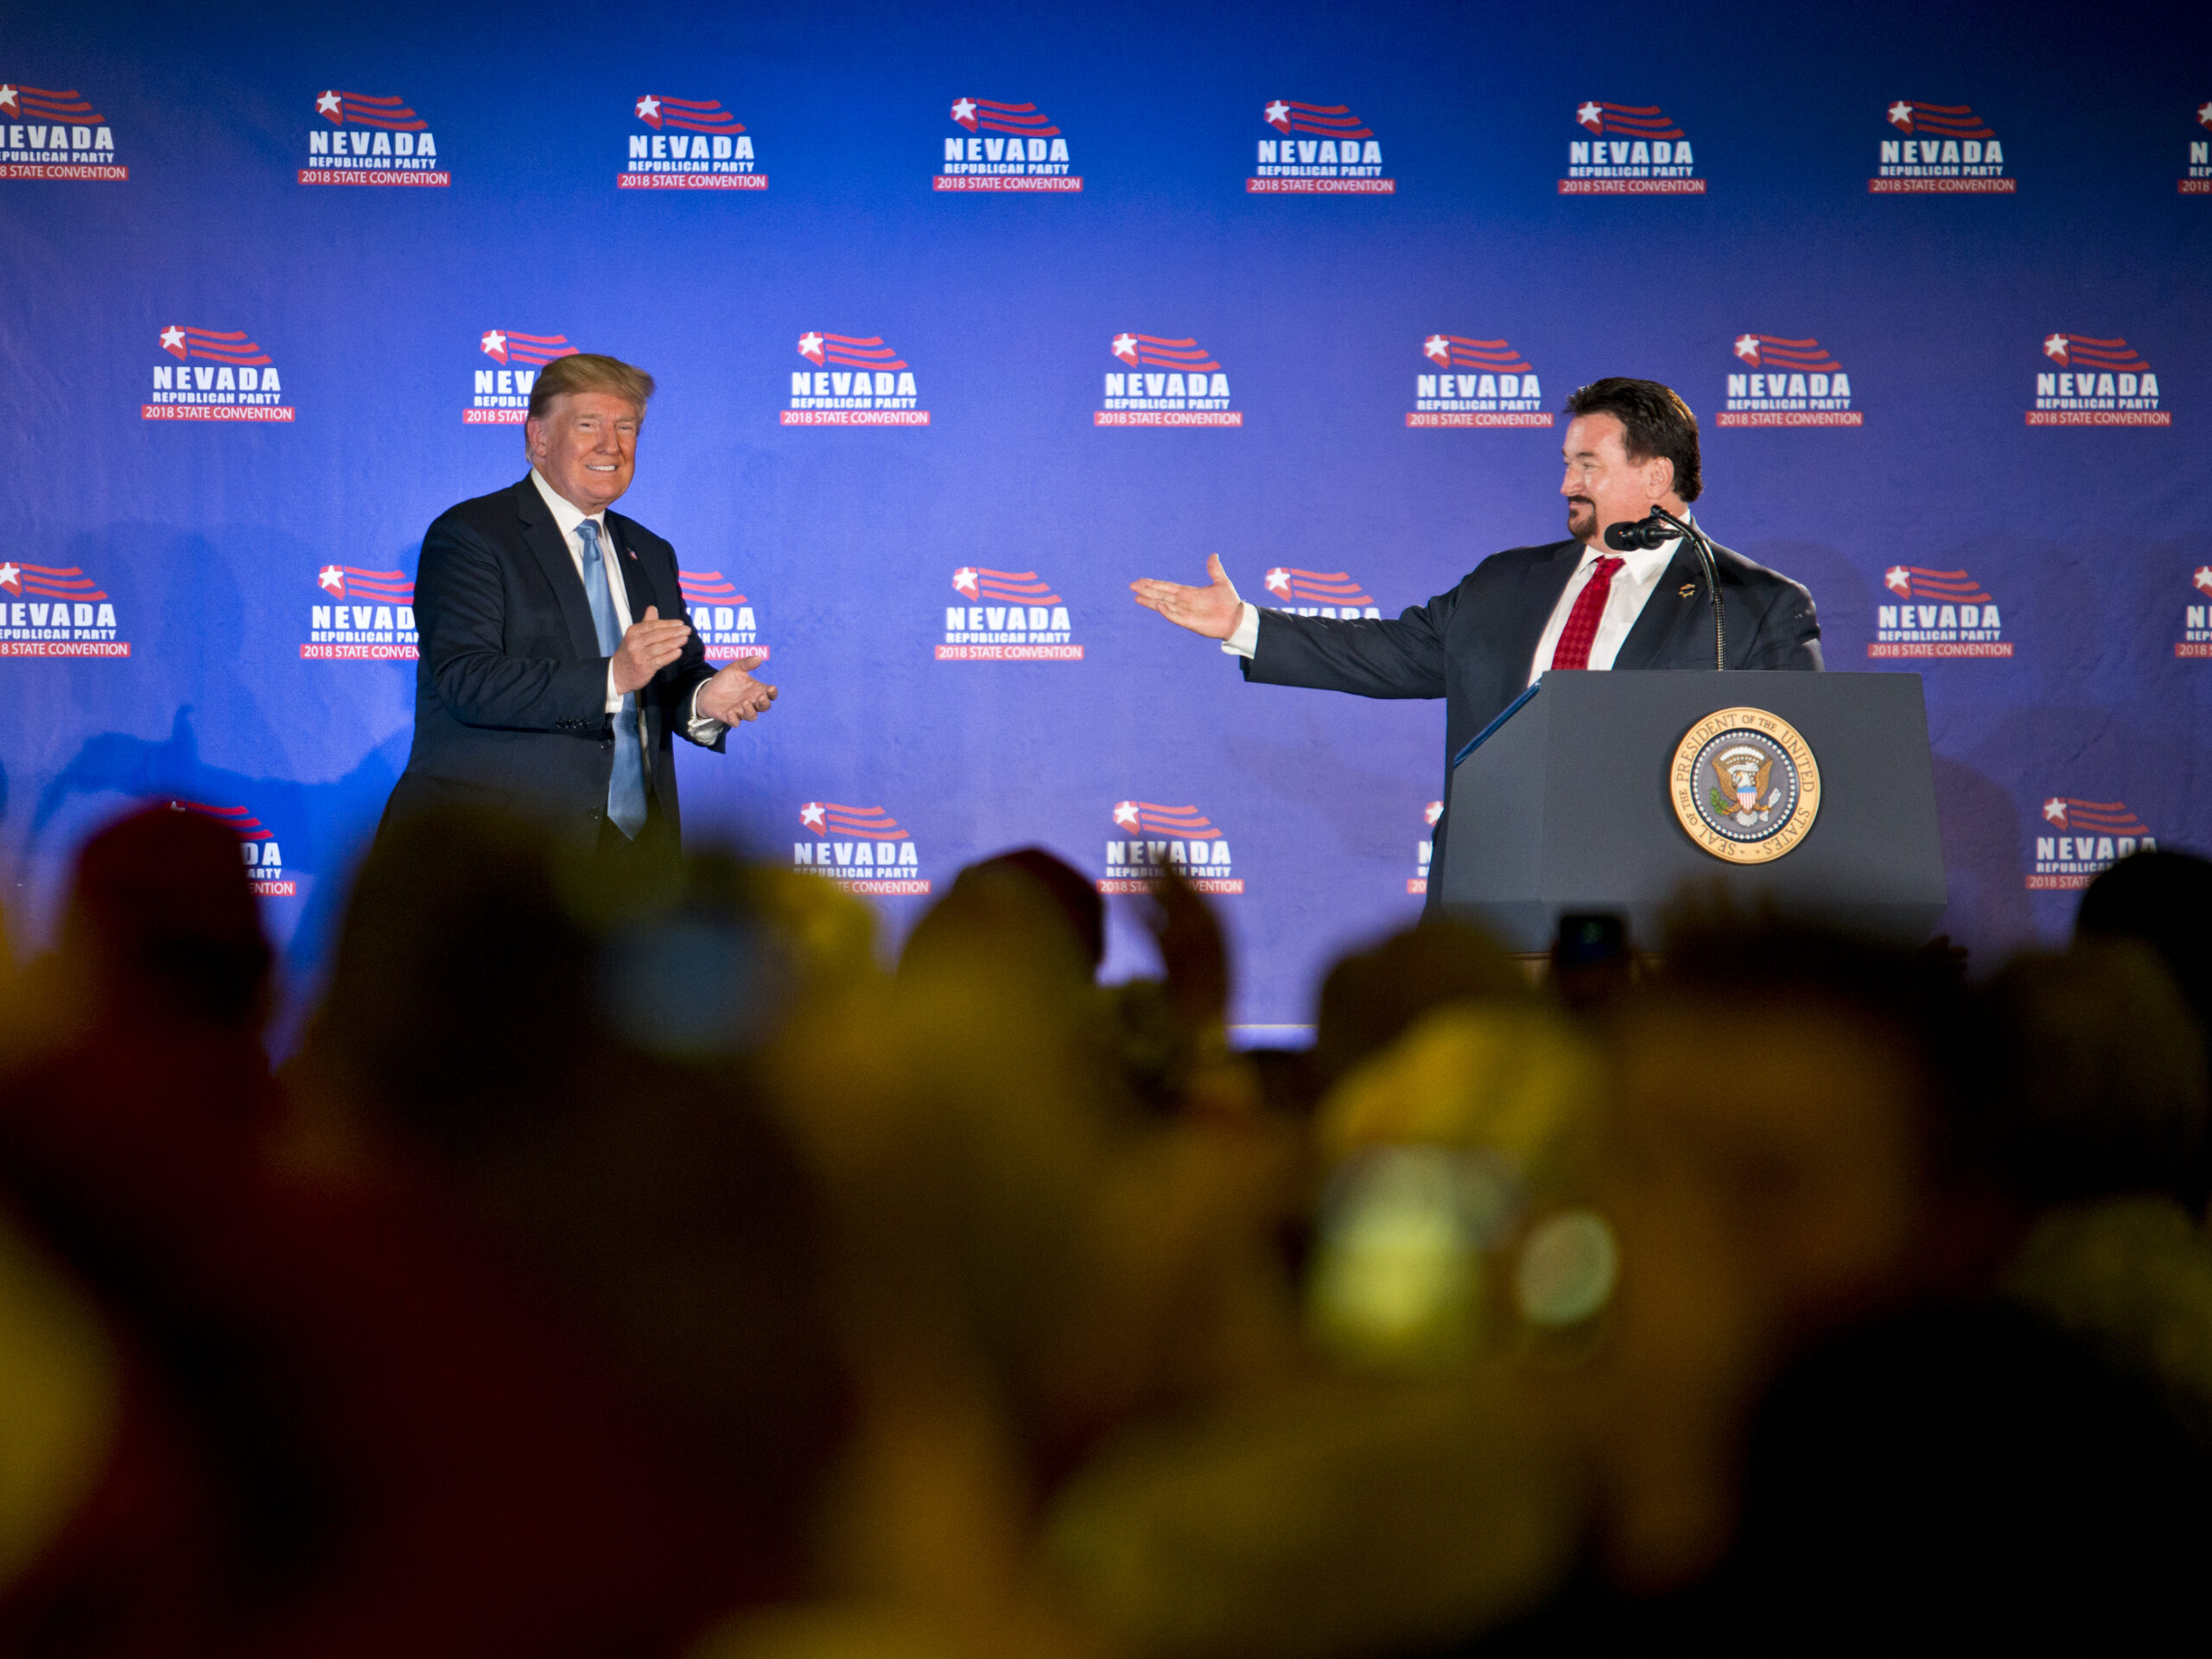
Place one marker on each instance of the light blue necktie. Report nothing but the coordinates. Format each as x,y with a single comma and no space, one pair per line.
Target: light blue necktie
625,790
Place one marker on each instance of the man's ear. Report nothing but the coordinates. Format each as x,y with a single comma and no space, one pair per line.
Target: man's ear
1659,476
530,431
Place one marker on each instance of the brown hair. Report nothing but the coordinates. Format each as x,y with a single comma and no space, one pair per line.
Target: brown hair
588,372
1656,422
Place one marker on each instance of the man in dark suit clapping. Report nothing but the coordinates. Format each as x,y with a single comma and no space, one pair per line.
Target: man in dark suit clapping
558,662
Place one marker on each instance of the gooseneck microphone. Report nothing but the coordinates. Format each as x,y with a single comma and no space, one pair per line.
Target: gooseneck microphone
1662,527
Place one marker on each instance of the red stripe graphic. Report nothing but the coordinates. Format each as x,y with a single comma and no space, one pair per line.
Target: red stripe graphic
505,346
708,585
1625,120
1315,586
2100,818
687,114
248,827
1149,818
852,351
49,581
1458,352
1943,120
39,104
1153,351
350,581
987,115
1952,587
365,111
1774,352
1016,587
206,346
827,818
2081,352
1323,120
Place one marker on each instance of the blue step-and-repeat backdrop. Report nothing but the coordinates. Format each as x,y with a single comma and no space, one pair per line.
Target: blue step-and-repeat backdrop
965,315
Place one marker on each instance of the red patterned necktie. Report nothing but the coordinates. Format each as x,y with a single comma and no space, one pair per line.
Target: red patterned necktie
1581,631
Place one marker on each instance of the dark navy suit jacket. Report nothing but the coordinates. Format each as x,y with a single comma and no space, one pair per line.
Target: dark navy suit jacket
1473,645
511,689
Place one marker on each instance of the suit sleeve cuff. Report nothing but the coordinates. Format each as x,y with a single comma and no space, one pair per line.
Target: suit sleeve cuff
1245,641
702,729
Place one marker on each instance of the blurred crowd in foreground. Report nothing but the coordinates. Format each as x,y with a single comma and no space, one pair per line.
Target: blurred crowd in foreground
647,1271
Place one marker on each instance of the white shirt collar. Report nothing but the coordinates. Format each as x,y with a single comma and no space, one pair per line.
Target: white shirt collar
566,513
1643,565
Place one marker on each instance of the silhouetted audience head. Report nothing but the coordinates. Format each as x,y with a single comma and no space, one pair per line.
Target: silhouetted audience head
164,917
1373,996
1073,890
2092,1083
2164,900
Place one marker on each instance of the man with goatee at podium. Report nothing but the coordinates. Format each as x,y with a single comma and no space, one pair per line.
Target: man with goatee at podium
1573,604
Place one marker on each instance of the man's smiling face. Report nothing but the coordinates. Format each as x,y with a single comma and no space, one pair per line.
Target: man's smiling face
587,447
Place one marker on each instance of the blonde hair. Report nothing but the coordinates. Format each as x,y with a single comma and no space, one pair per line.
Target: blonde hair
588,372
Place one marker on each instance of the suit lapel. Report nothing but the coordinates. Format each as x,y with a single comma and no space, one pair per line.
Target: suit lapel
637,582
550,549
1666,612
1546,581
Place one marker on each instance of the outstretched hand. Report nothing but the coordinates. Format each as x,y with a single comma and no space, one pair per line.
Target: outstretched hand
733,695
1213,610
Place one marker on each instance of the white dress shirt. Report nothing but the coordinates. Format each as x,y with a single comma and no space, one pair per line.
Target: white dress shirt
1633,586
567,515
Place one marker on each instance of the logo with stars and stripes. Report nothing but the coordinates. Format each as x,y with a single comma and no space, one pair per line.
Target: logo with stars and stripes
1152,838
1469,382
1001,145
1781,380
1629,149
1161,380
371,138
2094,380
1939,149
687,143
361,614
1317,150
508,364
56,610
49,132
1927,613
1005,616
213,374
2077,839
863,849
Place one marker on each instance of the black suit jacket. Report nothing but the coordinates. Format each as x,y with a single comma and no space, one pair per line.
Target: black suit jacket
1473,645
511,689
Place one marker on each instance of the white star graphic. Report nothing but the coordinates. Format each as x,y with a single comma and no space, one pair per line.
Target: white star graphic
1590,116
2204,577
1278,114
2055,810
332,578
1897,579
1438,347
1278,582
965,580
2204,112
494,344
1432,811
11,578
173,340
964,112
811,816
1125,814
8,97
809,347
1747,348
327,105
1900,115
648,108
2054,348
1125,347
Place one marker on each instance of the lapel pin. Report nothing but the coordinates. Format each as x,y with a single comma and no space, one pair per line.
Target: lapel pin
1686,589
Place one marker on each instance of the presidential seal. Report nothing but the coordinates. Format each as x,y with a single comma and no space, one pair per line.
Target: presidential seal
1744,785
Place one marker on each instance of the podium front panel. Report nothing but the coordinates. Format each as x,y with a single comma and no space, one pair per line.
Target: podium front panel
1567,806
